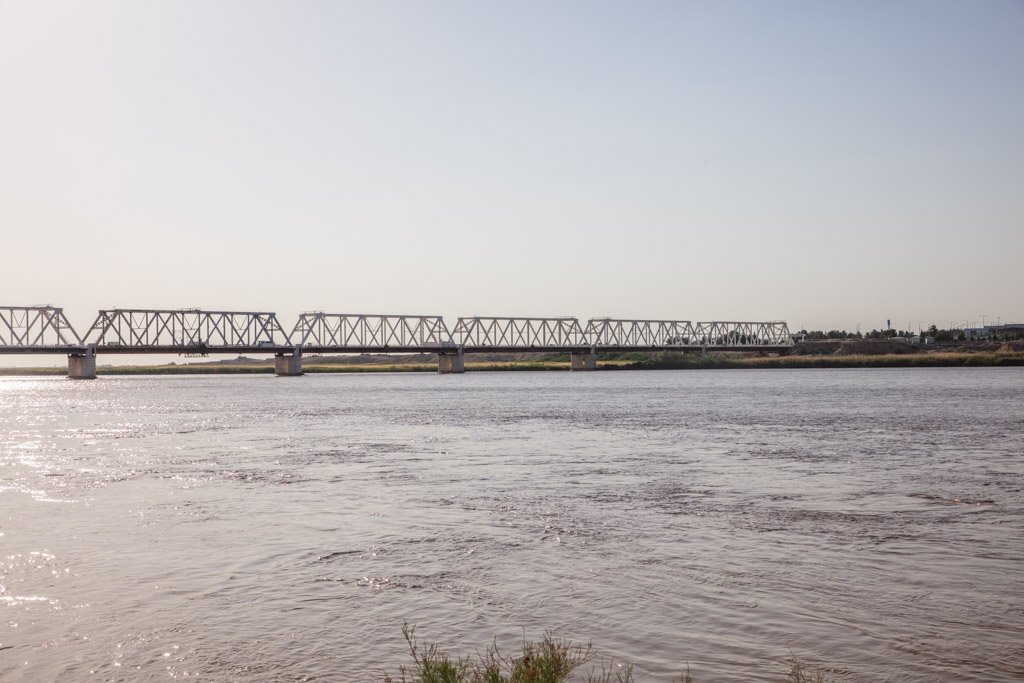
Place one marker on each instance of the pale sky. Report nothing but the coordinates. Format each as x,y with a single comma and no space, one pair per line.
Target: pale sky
823,163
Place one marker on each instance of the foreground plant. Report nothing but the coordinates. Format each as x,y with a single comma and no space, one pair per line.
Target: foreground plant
549,660
801,672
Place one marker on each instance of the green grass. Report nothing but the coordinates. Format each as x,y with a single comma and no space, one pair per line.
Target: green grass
549,660
801,672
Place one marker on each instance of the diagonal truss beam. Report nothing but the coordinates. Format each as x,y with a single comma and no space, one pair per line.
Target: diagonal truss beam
614,333
320,331
742,334
185,330
45,329
36,327
520,333
666,334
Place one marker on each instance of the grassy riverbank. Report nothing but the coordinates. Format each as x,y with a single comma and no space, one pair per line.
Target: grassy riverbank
667,361
268,369
549,660
619,361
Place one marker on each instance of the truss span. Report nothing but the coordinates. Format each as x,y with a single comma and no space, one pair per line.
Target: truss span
45,329
520,334
190,330
741,335
31,329
367,333
609,333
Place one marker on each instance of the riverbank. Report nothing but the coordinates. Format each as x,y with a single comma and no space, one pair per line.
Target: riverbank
620,361
670,361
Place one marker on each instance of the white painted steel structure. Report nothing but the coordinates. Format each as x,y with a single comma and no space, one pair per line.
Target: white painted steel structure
45,329
519,333
339,331
608,333
41,329
637,334
189,330
35,328
742,334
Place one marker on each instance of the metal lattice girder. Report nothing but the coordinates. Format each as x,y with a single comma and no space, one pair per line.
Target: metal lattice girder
25,328
520,333
185,330
742,334
612,333
368,331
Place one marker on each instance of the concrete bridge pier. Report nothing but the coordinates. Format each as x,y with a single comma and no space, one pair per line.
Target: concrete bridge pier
451,362
583,360
288,364
82,365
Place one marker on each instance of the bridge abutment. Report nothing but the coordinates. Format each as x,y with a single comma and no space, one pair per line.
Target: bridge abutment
451,363
82,365
288,364
585,360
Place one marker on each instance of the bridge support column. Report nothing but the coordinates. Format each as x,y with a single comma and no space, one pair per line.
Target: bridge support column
584,360
288,364
82,365
451,363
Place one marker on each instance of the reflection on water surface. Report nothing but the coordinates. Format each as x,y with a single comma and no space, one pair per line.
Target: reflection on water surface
261,528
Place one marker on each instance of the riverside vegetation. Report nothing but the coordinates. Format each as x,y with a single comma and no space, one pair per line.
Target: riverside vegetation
549,660
664,360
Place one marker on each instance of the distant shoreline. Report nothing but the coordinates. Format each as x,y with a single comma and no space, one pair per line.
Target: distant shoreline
658,361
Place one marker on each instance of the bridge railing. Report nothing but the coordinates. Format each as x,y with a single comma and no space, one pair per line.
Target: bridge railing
191,328
36,327
520,333
367,331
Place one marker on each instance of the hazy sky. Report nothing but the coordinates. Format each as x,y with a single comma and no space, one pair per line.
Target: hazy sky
824,163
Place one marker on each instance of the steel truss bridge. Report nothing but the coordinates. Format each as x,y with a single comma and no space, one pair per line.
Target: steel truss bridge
192,331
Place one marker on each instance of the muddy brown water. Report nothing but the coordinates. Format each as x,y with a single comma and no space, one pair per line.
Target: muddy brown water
260,528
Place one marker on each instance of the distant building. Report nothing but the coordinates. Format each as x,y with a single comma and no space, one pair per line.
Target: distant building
995,331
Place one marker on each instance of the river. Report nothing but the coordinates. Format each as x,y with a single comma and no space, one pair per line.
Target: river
261,528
